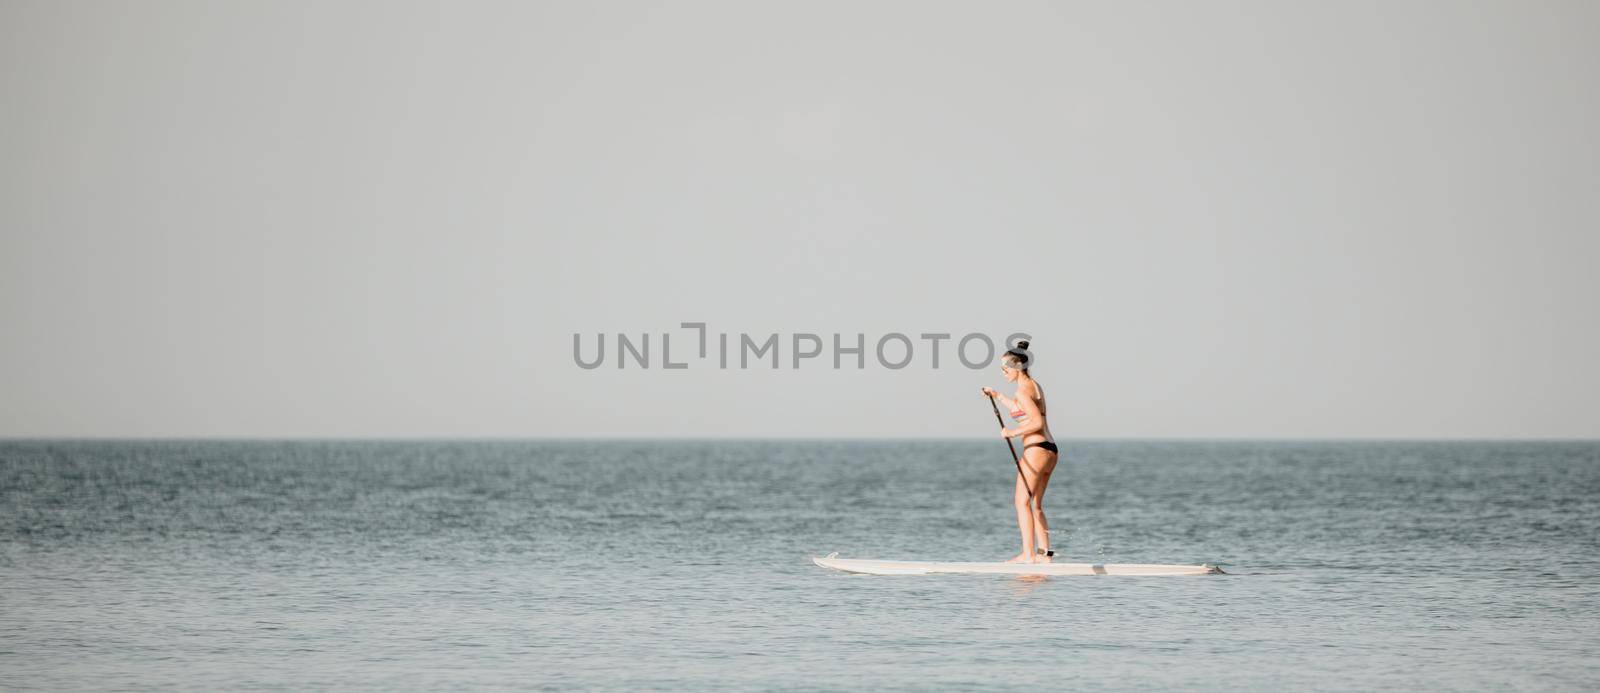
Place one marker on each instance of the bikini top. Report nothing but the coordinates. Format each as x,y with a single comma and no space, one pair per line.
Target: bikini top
1022,416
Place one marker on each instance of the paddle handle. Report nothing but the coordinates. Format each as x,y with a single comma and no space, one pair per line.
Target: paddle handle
1014,459
1001,420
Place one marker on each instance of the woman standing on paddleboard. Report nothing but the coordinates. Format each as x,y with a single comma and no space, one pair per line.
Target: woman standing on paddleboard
1039,453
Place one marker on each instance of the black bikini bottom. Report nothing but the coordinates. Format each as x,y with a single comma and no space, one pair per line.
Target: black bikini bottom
1046,445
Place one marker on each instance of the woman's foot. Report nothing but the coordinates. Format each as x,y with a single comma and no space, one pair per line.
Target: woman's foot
1023,557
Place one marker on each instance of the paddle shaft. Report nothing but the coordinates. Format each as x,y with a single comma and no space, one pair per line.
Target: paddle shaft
1014,459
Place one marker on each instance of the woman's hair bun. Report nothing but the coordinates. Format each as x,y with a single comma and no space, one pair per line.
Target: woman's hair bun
1022,344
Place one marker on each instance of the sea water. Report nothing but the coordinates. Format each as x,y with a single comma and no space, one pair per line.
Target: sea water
685,565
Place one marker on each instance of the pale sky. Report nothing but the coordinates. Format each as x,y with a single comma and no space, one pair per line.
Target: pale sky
373,219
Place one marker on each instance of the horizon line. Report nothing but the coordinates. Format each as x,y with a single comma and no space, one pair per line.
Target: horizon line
862,439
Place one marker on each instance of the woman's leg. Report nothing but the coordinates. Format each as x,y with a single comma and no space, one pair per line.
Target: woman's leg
1025,480
1045,461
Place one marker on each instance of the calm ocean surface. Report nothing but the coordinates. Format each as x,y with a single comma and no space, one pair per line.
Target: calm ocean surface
672,565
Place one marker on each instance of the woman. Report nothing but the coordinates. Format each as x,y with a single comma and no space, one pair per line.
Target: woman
1039,453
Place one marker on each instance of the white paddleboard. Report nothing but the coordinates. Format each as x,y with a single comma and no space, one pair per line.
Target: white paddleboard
868,567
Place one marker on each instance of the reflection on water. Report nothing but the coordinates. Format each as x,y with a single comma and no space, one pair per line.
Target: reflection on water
1023,585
